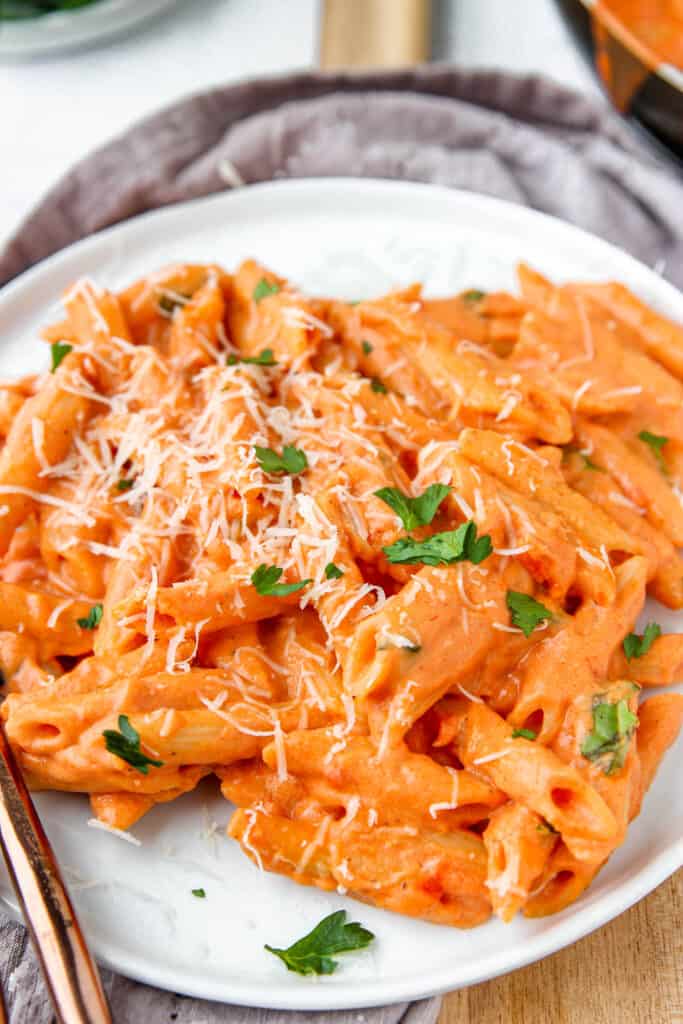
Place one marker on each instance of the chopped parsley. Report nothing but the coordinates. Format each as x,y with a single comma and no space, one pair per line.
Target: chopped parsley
525,612
265,580
587,462
125,743
199,893
93,618
613,726
414,512
264,358
367,347
525,734
333,572
59,349
473,296
656,442
265,288
293,460
168,302
377,386
124,485
313,954
461,545
636,646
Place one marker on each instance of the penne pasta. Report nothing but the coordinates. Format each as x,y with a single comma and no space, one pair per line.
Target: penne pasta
375,566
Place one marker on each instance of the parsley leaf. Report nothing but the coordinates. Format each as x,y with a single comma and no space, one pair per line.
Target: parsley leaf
199,893
125,743
293,460
264,358
473,296
59,349
124,485
414,512
313,953
525,612
378,387
93,618
613,726
569,449
367,348
461,545
265,288
333,572
525,734
265,580
168,303
636,646
656,443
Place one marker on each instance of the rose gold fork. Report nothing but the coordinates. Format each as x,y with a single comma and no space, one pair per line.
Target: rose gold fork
70,971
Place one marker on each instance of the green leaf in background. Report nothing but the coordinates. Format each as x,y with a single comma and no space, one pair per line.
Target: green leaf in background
16,10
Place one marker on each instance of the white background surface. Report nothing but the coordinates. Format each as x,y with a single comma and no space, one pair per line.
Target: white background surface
352,239
55,110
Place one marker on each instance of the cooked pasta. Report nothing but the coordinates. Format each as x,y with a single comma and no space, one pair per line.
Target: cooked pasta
376,566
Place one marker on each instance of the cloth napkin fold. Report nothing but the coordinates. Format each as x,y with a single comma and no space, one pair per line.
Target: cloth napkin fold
521,138
525,139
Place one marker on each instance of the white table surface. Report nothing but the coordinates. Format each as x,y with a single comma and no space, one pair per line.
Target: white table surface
55,110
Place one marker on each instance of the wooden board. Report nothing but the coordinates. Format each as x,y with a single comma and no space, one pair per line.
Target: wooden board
629,972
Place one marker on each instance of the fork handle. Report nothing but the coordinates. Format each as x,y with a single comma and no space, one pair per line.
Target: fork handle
69,969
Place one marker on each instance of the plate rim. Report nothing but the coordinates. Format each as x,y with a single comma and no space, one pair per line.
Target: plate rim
493,964
61,31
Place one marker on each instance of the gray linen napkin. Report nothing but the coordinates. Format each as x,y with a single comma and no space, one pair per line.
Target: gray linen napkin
133,1003
519,138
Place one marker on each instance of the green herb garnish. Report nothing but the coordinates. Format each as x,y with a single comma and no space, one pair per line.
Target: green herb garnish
199,893
265,580
168,302
93,618
656,442
59,349
265,288
265,358
613,726
461,545
314,952
124,485
587,462
293,460
636,646
525,734
125,743
378,387
367,347
525,612
414,512
473,296
333,572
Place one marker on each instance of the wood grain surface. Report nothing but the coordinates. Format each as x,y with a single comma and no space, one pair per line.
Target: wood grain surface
374,33
629,972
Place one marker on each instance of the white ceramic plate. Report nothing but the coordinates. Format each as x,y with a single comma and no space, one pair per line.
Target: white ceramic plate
349,238
66,30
